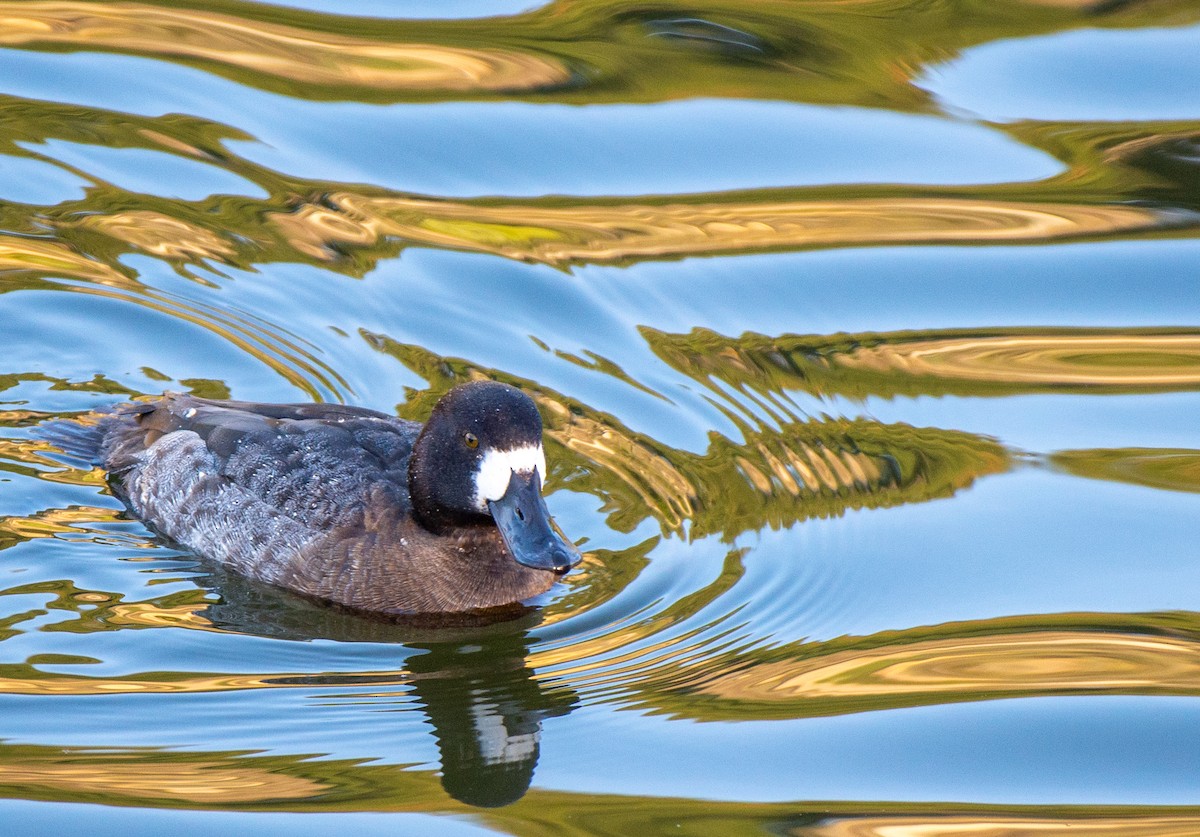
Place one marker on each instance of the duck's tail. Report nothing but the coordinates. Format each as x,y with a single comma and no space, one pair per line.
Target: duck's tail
76,439
88,436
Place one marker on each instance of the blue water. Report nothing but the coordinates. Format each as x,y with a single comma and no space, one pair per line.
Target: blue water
869,366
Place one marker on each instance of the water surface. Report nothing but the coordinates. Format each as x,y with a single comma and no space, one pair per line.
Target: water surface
867,341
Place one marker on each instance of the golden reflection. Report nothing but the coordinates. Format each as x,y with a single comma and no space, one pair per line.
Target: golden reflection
28,451
973,667
809,469
560,235
657,483
196,782
42,256
581,53
1166,468
157,615
319,231
34,453
309,56
996,361
1001,825
1081,359
273,346
20,418
34,682
773,476
352,228
76,520
215,780
985,660
161,235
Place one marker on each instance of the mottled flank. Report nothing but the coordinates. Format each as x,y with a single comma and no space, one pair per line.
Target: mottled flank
314,498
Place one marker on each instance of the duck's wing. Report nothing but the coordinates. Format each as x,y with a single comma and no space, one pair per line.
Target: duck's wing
321,465
233,420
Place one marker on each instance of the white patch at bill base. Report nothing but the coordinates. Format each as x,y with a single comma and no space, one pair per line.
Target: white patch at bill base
496,469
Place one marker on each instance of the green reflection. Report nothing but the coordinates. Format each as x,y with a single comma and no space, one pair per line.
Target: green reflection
1172,469
686,657
865,54
940,362
485,697
464,676
473,683
988,659
771,478
230,780
97,610
1122,180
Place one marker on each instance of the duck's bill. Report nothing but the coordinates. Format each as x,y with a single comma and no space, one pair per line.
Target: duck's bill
524,523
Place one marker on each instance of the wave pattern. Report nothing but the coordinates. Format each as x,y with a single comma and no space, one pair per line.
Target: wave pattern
966,362
707,594
1112,189
309,56
1169,469
824,53
620,234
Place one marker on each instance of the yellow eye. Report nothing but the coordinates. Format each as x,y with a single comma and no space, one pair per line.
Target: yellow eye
471,440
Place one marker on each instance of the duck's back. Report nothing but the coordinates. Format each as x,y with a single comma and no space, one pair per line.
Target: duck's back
314,463
257,486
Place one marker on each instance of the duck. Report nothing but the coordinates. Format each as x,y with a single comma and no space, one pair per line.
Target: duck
347,505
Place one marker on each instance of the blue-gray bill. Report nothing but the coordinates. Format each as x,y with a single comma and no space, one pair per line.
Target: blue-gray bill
524,523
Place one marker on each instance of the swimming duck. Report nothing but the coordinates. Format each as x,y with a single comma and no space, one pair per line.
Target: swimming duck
347,504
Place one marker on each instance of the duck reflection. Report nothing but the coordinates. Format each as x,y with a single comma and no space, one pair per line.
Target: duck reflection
487,712
468,671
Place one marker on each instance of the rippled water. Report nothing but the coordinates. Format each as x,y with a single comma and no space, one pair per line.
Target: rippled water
867,338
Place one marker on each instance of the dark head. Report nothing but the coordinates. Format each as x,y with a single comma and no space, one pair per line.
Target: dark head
479,461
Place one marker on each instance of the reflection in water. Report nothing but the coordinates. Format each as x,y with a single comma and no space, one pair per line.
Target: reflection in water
990,659
75,521
1119,360
221,780
486,689
50,257
698,645
966,667
823,468
350,228
960,362
614,50
161,235
1170,469
341,228
636,231
244,46
487,711
471,677
276,347
772,478
778,474
478,687
148,777
1004,824
473,681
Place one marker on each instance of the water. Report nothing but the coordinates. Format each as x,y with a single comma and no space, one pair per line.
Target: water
867,340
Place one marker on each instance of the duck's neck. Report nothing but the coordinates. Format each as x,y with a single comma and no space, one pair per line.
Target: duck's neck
432,492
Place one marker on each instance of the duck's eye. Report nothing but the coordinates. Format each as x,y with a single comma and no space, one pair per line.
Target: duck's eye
471,440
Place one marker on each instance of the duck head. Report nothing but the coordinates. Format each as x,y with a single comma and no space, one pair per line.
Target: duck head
480,457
